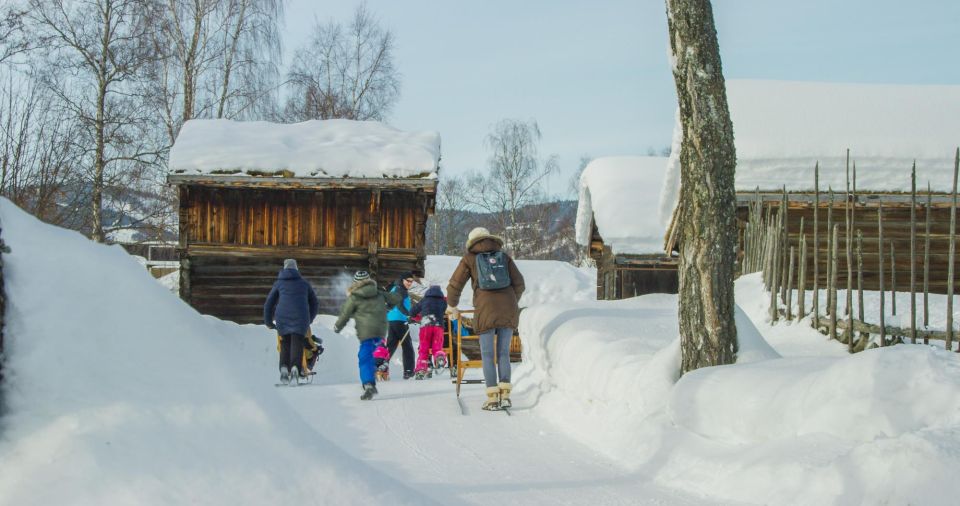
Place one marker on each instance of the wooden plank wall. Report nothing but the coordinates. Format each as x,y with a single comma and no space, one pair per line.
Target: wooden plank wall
896,229
233,242
318,219
619,281
633,282
235,287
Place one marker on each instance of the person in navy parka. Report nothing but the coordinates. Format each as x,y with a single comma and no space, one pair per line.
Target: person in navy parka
290,308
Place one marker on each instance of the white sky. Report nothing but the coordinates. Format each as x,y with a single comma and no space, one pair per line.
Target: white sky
595,74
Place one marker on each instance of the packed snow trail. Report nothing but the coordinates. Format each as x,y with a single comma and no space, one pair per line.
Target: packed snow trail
414,433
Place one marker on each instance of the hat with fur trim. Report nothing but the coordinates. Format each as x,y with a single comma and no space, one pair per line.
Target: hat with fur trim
480,233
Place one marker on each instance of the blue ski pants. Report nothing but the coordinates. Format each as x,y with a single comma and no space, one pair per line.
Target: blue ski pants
368,368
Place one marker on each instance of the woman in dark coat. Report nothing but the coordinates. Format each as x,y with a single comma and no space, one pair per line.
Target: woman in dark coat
496,313
290,308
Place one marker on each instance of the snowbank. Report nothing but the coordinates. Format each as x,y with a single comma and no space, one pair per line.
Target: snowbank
117,392
329,148
878,427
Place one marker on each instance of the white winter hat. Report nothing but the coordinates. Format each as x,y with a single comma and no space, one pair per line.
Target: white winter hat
290,263
480,233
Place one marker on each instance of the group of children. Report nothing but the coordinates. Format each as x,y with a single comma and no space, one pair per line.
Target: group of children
497,285
369,306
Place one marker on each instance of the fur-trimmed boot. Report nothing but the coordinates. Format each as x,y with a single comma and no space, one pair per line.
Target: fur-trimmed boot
505,395
493,399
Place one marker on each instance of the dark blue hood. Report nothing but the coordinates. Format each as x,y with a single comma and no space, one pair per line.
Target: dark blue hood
289,274
434,291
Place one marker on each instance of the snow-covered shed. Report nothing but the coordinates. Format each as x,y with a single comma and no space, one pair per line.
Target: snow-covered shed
336,195
618,223
783,129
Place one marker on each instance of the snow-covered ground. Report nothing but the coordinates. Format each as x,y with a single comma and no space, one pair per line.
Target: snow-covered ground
115,392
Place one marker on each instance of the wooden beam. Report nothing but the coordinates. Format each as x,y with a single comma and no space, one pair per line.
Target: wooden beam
428,185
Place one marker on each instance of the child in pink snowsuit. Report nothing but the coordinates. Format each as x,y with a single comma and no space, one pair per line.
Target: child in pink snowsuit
431,307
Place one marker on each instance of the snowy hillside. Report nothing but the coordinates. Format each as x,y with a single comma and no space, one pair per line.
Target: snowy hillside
118,393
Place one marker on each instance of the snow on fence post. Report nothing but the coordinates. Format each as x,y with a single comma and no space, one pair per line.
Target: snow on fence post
848,246
833,283
860,316
767,248
831,273
789,302
753,235
785,245
926,263
816,246
951,256
883,309
802,277
774,263
893,279
913,259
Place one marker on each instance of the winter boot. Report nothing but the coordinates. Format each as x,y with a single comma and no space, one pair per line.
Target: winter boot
294,376
420,374
440,359
505,395
284,375
369,389
493,399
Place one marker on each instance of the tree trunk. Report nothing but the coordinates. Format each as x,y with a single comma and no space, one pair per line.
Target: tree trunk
707,198
96,197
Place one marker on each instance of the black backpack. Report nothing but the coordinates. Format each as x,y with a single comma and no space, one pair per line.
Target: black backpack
492,270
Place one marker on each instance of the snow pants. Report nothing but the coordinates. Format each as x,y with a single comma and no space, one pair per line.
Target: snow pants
365,361
496,342
291,350
431,343
395,334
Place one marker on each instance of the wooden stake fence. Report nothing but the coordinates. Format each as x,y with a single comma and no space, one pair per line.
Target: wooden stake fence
768,248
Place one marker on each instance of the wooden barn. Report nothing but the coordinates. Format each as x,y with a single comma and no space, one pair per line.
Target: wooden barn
619,223
785,129
338,196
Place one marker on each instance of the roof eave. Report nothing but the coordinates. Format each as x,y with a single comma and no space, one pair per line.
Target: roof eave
273,182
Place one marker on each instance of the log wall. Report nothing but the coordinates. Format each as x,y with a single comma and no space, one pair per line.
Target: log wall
624,276
327,219
896,230
233,242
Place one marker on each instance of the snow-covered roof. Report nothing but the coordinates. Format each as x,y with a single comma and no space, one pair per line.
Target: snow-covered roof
622,195
783,128
312,149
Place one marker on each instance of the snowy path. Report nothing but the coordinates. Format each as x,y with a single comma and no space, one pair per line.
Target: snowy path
414,432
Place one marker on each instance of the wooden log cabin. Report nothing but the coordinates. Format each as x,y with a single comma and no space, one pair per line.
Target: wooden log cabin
618,222
338,196
784,130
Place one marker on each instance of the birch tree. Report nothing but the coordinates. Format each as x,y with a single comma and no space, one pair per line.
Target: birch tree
515,179
707,230
218,60
344,72
94,52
